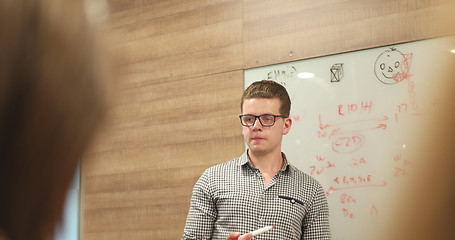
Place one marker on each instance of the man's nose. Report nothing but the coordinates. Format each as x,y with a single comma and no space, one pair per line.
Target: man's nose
257,124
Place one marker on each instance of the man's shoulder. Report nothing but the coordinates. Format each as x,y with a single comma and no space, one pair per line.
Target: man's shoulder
224,167
302,177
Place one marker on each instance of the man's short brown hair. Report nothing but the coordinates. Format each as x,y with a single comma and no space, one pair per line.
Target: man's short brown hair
268,89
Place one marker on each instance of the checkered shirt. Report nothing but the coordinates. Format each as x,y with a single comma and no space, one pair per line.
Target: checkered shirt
232,197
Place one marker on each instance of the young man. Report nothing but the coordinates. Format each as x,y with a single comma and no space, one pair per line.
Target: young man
260,188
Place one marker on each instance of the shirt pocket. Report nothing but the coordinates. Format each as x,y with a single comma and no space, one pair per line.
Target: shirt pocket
292,200
292,212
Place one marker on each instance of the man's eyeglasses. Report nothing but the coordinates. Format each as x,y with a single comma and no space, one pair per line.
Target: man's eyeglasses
266,120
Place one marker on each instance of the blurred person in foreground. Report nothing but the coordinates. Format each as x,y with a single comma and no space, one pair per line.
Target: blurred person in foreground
425,203
52,98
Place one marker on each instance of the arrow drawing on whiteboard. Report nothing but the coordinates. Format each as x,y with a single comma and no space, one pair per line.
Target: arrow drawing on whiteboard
327,125
331,189
337,131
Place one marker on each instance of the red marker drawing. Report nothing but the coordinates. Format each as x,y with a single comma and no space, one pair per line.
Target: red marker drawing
259,231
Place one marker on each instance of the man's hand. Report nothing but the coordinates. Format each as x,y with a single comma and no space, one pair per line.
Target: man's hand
236,235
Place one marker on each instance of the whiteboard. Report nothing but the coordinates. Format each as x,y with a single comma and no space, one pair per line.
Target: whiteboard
352,114
68,229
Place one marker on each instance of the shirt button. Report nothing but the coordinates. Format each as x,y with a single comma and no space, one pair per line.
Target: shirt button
292,201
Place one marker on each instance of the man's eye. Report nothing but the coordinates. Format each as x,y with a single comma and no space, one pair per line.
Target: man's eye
266,118
248,119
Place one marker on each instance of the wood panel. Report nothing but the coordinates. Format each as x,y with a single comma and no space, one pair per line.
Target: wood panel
197,38
297,29
160,140
175,116
182,65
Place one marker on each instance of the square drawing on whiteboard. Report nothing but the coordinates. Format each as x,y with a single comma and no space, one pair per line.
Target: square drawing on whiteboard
336,72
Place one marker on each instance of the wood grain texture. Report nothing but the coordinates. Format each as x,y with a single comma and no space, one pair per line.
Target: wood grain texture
196,39
182,65
161,139
297,29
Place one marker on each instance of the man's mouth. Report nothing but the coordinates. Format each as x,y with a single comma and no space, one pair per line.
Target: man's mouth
257,138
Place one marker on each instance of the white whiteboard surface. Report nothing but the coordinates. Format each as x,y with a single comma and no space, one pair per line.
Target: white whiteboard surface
68,229
350,125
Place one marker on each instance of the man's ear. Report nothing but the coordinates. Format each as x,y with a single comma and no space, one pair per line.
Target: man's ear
287,125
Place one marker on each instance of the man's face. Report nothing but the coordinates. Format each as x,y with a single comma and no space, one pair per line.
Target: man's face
260,139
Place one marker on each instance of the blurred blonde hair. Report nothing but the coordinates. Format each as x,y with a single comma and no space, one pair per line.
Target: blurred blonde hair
52,98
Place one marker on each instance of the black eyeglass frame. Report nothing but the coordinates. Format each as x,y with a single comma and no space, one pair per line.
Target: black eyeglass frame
259,117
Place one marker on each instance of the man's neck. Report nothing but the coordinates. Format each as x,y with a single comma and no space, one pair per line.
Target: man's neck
269,163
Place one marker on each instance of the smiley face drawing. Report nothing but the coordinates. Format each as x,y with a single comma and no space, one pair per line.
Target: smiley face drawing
391,66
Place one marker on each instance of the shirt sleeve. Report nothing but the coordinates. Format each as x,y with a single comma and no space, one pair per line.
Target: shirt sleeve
202,214
316,222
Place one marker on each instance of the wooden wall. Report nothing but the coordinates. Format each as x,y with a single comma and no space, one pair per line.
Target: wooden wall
181,81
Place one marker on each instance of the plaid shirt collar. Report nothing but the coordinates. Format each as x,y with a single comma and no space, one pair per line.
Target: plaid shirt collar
245,160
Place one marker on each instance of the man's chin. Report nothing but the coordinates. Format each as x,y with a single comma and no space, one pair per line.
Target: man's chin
257,149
